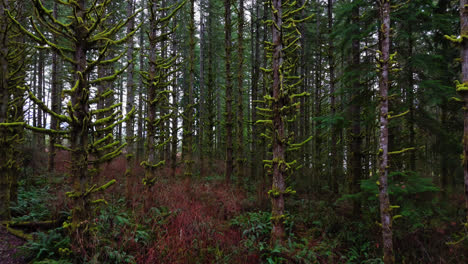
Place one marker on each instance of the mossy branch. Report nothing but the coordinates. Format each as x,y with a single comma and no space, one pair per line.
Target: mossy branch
401,151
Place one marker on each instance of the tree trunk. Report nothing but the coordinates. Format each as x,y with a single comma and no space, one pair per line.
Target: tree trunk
189,115
80,127
56,104
279,130
40,95
229,114
356,137
463,90
255,29
385,214
333,182
210,136
140,142
129,131
202,100
5,172
240,84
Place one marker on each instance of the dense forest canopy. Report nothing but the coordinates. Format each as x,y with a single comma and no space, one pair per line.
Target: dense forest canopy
218,131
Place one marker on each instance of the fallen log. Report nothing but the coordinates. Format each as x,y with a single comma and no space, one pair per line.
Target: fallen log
32,224
19,233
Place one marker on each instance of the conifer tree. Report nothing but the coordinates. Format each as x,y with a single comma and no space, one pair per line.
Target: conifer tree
355,171
282,107
160,69
141,104
462,89
129,128
229,165
189,108
12,75
240,159
55,101
385,214
86,46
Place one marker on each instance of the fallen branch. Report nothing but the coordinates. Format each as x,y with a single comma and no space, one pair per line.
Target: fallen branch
19,233
43,224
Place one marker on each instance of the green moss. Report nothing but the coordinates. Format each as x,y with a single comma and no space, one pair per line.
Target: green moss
461,87
401,151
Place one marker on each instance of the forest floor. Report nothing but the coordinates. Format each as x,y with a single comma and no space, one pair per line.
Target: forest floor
9,245
205,220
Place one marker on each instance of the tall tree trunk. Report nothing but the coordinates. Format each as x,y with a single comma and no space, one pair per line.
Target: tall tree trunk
333,181
40,95
229,114
356,137
263,144
463,90
140,142
80,128
411,107
129,131
255,29
189,115
240,102
5,172
210,139
56,104
318,170
150,151
203,93
279,130
385,214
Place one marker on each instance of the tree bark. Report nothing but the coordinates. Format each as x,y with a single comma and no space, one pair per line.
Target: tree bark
356,137
385,214
5,172
464,92
240,102
140,142
229,165
255,29
129,131
202,100
333,182
189,114
279,130
56,103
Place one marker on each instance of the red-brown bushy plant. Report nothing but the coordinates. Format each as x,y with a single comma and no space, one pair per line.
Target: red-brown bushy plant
197,230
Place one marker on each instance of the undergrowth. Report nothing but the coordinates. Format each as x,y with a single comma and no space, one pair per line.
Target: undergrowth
207,221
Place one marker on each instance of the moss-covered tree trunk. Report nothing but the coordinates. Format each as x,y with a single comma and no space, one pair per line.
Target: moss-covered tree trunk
279,129
151,95
255,31
385,214
5,171
81,122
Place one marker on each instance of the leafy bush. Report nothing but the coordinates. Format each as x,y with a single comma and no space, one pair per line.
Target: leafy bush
32,203
51,246
256,228
408,190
